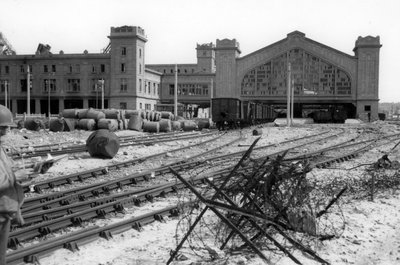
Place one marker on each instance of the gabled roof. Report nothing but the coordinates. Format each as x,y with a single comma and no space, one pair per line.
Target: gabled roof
296,34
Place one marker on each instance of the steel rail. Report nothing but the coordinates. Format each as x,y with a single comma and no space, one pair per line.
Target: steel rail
73,240
62,198
83,148
51,146
82,194
347,155
173,185
80,176
132,179
47,228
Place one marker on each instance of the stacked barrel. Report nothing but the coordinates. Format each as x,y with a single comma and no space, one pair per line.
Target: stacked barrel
115,119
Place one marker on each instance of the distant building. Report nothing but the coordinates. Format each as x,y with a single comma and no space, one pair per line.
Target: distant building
322,76
74,80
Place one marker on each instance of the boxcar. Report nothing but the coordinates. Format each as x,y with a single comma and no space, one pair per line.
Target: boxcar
233,113
226,112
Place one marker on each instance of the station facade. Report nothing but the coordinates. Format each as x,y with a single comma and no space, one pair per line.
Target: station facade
320,75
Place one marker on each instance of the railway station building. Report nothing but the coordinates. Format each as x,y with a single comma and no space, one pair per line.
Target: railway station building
118,77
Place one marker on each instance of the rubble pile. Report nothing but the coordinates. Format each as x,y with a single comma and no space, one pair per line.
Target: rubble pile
266,204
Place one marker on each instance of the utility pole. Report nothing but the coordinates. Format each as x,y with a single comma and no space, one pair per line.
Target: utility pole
288,96
28,90
48,99
176,92
211,97
102,93
292,102
5,93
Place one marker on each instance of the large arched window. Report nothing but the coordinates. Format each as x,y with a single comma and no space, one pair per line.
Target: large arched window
311,76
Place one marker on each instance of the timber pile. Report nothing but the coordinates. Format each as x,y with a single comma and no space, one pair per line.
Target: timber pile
268,202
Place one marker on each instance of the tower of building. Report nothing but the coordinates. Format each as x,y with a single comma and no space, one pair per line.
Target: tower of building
367,53
226,53
206,57
127,75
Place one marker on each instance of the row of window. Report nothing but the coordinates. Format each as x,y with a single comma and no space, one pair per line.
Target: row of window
186,71
71,68
150,88
189,89
310,75
74,85
124,105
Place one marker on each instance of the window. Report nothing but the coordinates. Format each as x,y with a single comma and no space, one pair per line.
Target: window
102,68
7,69
53,68
140,105
124,86
23,85
123,51
70,69
123,105
74,85
45,69
171,89
158,89
147,106
205,90
22,68
149,87
140,85
140,68
49,83
122,67
154,89
367,108
93,68
140,53
95,85
3,85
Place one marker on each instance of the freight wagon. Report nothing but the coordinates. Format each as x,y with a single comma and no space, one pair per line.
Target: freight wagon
332,114
234,113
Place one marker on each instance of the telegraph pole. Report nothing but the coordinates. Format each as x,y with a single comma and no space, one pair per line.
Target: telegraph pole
292,101
211,97
28,90
288,96
102,93
176,92
48,99
5,93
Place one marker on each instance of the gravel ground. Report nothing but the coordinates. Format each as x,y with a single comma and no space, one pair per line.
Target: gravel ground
369,228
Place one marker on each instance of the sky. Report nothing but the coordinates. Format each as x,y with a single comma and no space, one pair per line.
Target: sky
174,27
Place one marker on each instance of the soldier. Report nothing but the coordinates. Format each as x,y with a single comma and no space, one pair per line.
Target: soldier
11,192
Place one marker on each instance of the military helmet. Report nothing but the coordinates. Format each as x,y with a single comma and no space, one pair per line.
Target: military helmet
6,118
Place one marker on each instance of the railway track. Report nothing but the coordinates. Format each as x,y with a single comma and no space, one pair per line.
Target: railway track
75,212
65,148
